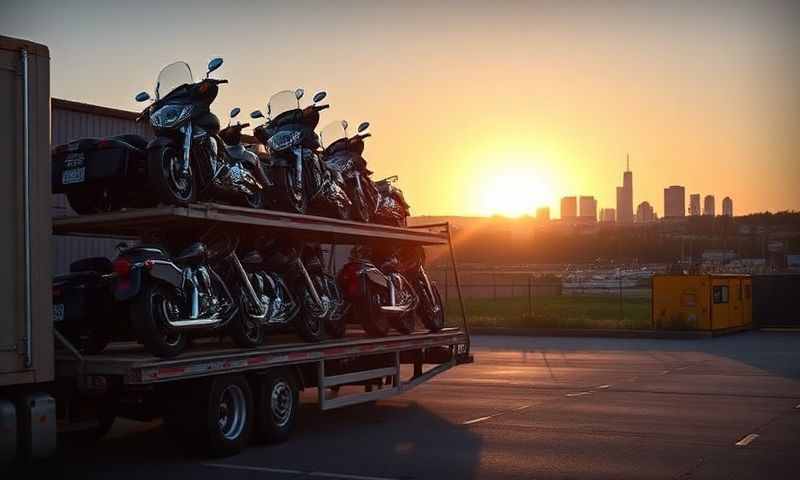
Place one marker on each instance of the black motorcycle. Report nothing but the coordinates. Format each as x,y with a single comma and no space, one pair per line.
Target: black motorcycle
380,296
342,155
188,160
203,290
290,280
392,208
303,183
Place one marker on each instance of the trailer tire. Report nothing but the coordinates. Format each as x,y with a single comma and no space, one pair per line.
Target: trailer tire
277,400
221,420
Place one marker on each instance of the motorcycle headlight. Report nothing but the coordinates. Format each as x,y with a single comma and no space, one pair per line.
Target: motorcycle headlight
170,115
284,140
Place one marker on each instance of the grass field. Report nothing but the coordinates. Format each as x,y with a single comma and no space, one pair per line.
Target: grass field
589,311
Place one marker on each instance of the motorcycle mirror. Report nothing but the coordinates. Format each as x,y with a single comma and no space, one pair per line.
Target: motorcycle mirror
345,125
235,112
142,97
214,64
363,126
121,246
298,94
256,114
320,96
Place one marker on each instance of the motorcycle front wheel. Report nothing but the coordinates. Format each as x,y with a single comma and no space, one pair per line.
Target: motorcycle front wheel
164,176
245,330
430,310
312,318
360,209
291,197
150,310
337,323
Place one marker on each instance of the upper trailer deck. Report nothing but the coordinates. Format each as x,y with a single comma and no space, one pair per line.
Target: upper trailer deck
138,222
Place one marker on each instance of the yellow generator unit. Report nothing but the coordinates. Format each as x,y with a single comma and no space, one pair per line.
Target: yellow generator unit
702,302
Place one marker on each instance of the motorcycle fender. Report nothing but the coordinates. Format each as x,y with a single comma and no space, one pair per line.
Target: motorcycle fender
167,272
127,287
375,276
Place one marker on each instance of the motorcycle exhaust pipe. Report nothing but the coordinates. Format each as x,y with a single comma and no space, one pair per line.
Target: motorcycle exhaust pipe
193,323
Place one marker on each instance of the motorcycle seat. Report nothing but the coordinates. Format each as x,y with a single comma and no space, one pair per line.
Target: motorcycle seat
194,254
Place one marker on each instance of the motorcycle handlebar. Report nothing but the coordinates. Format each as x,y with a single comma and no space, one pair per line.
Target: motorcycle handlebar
216,81
321,107
244,125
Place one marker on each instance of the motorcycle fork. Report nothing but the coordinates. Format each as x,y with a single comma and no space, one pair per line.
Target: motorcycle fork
298,167
309,283
392,291
428,286
187,148
248,286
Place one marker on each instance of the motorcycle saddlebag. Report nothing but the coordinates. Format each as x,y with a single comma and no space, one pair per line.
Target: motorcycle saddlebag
97,160
78,298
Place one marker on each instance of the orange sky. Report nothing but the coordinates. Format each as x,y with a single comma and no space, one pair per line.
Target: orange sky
464,99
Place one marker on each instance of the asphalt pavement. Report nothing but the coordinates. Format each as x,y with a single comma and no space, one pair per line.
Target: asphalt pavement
559,408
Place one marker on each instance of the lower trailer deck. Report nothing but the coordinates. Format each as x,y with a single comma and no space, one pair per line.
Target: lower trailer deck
138,367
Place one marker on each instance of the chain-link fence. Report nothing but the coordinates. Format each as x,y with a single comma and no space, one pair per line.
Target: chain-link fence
512,299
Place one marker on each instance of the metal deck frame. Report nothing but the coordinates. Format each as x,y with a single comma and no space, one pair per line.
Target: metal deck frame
141,369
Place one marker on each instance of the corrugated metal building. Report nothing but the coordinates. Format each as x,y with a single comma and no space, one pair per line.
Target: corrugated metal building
72,120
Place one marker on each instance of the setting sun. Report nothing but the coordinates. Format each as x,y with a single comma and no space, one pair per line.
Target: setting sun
513,194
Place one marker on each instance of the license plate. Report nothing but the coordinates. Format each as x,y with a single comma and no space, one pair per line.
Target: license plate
58,312
73,175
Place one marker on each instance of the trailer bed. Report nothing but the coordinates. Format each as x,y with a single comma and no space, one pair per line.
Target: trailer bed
139,222
137,367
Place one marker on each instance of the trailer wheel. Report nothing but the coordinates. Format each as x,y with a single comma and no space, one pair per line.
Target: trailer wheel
224,416
277,401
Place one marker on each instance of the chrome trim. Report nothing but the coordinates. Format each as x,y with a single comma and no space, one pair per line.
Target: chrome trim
310,284
187,148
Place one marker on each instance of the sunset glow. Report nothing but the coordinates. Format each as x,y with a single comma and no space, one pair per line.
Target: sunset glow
513,194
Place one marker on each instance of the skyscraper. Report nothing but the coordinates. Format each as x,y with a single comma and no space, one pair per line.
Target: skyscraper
569,208
674,202
608,215
625,196
727,207
644,213
708,206
694,204
543,214
588,208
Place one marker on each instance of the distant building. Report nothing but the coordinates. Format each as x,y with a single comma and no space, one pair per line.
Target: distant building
709,208
608,215
588,208
569,208
674,201
543,214
645,213
694,204
625,196
727,207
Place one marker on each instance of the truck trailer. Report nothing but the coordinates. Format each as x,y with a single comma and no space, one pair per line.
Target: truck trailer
215,395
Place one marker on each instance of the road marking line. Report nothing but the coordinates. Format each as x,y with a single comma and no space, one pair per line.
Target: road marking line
747,440
665,372
476,420
797,406
255,469
578,394
488,417
603,387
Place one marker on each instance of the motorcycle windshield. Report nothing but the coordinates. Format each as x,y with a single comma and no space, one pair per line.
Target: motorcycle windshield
281,102
332,133
171,77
